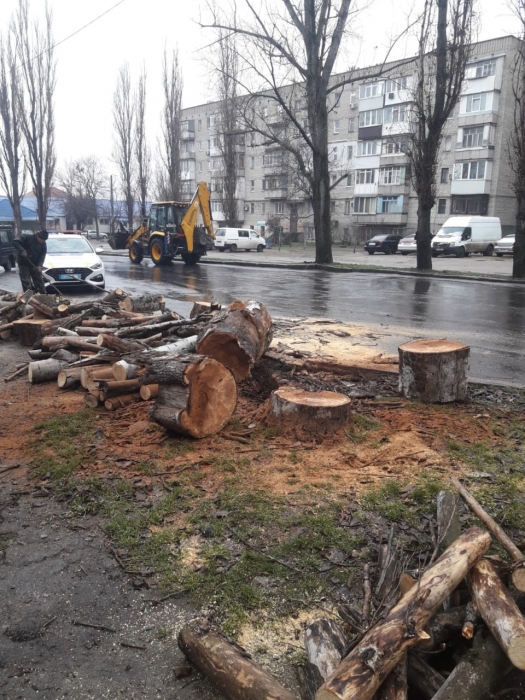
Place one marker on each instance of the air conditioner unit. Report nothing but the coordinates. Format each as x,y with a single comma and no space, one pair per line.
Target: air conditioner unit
391,95
353,105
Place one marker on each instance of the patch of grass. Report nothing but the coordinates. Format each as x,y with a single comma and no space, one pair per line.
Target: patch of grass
295,457
386,500
5,541
163,634
177,447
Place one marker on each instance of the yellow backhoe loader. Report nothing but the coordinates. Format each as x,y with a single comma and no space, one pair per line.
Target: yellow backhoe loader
171,230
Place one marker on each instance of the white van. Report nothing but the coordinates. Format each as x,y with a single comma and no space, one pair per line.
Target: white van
233,239
463,235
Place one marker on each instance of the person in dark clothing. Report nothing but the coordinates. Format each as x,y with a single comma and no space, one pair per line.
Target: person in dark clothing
32,250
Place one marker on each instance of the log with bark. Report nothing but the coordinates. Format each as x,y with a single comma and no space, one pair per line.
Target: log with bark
86,372
204,307
68,378
149,391
227,666
21,300
361,673
114,297
321,412
197,395
433,371
144,304
238,337
28,330
518,571
93,378
110,389
395,687
42,307
119,402
422,677
123,370
45,370
118,344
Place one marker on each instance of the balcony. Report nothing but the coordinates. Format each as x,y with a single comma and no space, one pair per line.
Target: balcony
279,193
186,134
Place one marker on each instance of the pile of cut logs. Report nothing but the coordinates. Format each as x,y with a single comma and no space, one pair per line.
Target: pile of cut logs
453,632
122,349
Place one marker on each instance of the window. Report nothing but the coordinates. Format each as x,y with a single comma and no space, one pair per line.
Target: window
448,143
336,126
348,207
349,180
240,160
252,185
389,205
275,158
472,170
394,114
252,208
393,147
332,206
275,183
364,205
476,102
472,137
253,139
470,204
396,84
370,90
200,167
243,233
103,222
365,177
263,208
442,206
337,98
392,175
278,207
444,176
199,125
252,162
482,70
371,117
216,206
368,148
349,152
351,125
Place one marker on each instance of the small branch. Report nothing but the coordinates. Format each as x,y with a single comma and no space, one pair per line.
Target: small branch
103,628
263,554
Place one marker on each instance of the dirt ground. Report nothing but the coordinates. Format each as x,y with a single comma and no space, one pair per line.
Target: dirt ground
58,571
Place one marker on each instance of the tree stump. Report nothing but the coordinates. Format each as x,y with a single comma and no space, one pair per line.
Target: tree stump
319,413
433,371
197,395
29,330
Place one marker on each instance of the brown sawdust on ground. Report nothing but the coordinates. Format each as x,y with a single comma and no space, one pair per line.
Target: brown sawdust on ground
409,439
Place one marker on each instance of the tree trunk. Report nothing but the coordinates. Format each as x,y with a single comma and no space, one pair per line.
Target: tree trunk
197,395
45,370
117,344
325,643
144,304
229,669
361,673
424,237
518,263
498,609
422,677
149,391
321,412
108,390
433,371
478,675
67,378
122,370
518,572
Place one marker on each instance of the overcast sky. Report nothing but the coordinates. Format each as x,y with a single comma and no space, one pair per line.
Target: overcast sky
137,31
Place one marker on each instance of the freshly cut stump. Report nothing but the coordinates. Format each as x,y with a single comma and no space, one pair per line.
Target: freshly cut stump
320,412
433,371
197,395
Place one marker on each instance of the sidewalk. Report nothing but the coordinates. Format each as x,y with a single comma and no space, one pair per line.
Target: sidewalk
478,265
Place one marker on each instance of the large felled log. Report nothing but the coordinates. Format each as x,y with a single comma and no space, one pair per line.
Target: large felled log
321,412
501,614
518,572
197,395
41,308
110,389
144,304
45,370
229,669
68,378
238,337
92,378
361,673
123,370
117,344
93,331
434,371
325,643
478,674
446,625
449,529
395,686
180,347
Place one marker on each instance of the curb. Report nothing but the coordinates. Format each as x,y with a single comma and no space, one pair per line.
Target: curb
432,274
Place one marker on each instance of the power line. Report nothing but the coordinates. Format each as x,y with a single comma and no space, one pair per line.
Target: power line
85,26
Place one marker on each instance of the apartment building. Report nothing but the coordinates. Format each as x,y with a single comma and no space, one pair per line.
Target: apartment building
369,131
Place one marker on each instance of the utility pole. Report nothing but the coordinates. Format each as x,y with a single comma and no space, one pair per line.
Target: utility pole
112,220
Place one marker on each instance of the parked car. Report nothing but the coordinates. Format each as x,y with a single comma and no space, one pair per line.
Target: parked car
7,249
93,234
234,238
463,235
384,243
407,245
71,259
505,246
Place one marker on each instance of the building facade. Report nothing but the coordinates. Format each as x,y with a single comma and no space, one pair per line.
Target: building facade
369,130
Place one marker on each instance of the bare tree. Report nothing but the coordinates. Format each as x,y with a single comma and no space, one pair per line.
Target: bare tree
169,174
516,143
124,125
12,165
76,205
228,123
93,180
444,49
37,82
84,181
142,152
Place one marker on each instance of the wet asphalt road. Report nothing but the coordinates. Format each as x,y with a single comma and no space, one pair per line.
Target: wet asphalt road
488,316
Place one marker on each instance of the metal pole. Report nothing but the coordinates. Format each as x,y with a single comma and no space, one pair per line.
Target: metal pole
111,222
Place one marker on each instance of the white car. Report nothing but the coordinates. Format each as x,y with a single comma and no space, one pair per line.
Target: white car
234,239
72,259
505,246
93,235
407,245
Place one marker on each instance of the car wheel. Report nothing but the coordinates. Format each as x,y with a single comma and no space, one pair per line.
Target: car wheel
260,248
461,252
404,253
7,266
233,248
489,252
371,252
388,250
156,251
190,258
136,253
500,255
434,255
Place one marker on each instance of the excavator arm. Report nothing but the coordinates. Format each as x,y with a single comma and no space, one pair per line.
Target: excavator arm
138,233
200,201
